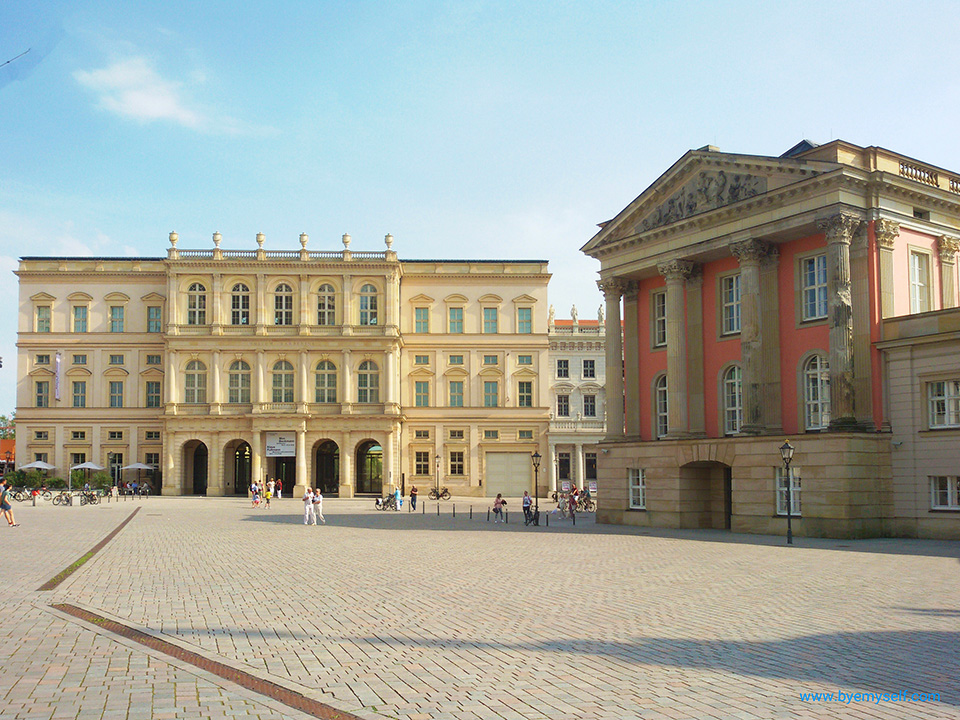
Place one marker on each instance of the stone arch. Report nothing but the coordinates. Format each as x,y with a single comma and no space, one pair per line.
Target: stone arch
326,466
369,467
195,463
237,467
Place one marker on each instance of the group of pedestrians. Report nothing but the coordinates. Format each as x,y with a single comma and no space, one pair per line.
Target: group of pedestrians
313,507
260,493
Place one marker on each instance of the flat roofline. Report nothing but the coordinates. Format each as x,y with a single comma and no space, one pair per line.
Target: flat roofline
89,257
467,260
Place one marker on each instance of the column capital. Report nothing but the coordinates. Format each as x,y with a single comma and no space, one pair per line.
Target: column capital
631,288
839,228
948,247
677,269
886,232
751,250
612,288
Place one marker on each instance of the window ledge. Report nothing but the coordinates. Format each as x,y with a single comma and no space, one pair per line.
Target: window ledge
635,509
947,510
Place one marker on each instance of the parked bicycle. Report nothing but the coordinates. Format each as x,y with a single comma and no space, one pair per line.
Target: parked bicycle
63,498
387,503
89,497
436,494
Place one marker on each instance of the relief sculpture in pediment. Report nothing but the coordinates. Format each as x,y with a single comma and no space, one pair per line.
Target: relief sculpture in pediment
708,190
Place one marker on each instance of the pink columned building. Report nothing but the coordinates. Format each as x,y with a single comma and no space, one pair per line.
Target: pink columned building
761,299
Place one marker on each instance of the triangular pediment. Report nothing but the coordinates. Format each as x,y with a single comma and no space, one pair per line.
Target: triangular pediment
524,299
421,372
153,297
42,297
421,298
700,182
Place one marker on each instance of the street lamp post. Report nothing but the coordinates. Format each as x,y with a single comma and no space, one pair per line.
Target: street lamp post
786,452
437,459
536,488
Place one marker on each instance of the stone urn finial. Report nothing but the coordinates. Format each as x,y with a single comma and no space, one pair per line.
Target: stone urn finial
260,238
346,241
388,239
174,238
304,239
217,237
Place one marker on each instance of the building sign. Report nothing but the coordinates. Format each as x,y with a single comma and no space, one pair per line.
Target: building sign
593,487
281,444
565,486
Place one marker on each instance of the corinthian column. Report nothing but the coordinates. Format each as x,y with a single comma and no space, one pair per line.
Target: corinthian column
749,253
676,272
612,289
886,233
631,359
839,231
948,247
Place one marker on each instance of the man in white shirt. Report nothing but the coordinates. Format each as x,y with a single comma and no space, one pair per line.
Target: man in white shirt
318,506
309,516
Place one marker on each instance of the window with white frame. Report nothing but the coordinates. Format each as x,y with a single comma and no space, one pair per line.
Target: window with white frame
589,369
43,319
421,434
81,359
943,399
421,320
659,300
563,368
42,435
919,282
79,435
421,359
590,406
637,489
152,435
490,360
732,400
326,305
152,393
814,275
326,390
196,304
563,406
945,492
115,435
240,305
455,322
238,383
525,320
283,378
816,393
116,393
663,407
456,360
42,359
456,434
79,393
525,393
154,320
368,382
491,393
368,305
524,359
524,434
116,359
283,305
116,318
794,485
79,318
456,393
730,292
421,393
491,434
42,388
152,360
490,321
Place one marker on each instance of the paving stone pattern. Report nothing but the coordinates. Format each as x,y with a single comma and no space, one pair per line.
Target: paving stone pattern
417,617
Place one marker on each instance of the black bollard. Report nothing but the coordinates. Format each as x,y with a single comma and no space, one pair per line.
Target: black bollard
454,509
471,512
506,516
438,508
488,514
423,509
573,516
548,519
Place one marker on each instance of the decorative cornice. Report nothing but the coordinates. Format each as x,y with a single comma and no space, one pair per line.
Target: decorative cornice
677,269
750,250
840,227
886,232
948,247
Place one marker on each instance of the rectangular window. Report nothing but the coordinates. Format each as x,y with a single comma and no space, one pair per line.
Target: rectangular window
78,458
43,393
421,359
490,360
491,393
79,318
525,320
40,457
154,360
945,492
456,434
116,359
456,359
524,359
115,466
456,320
919,282
943,398
116,393
152,459
490,322
422,320
590,466
80,393
152,435
43,319
524,434
491,434
456,393
456,462
153,319
730,291
41,435
563,368
421,434
153,394
43,360
794,491
815,287
589,369
659,318
422,463
524,394
590,406
563,466
116,318
79,359
638,489
115,435
563,406
421,395
78,435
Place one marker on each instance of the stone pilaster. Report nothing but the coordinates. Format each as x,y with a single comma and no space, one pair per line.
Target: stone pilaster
947,248
215,398
839,231
631,359
886,233
301,461
770,353
612,289
862,348
749,254
695,388
676,273
217,305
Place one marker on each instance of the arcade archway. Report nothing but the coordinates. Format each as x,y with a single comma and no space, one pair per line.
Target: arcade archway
195,468
369,479
326,467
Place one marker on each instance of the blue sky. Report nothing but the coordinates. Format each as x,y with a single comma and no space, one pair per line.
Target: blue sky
465,129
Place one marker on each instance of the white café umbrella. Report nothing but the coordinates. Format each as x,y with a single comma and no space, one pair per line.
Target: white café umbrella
83,466
38,465
138,466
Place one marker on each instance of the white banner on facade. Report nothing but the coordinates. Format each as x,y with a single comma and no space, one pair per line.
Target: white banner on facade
281,444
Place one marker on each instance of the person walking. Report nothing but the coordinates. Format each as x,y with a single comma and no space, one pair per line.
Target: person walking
318,507
413,498
309,514
398,498
527,500
572,504
271,487
266,497
5,505
279,489
498,504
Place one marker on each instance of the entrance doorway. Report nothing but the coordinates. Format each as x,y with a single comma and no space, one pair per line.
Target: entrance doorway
285,470
242,466
195,467
327,468
706,496
369,468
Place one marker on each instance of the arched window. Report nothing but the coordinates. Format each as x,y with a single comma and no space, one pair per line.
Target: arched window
326,305
282,382
326,382
662,407
732,400
238,383
368,305
240,305
368,382
816,393
196,304
195,383
283,305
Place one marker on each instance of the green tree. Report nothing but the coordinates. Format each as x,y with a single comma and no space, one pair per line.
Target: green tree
7,428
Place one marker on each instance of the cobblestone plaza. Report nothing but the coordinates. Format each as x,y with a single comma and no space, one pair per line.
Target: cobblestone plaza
420,617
